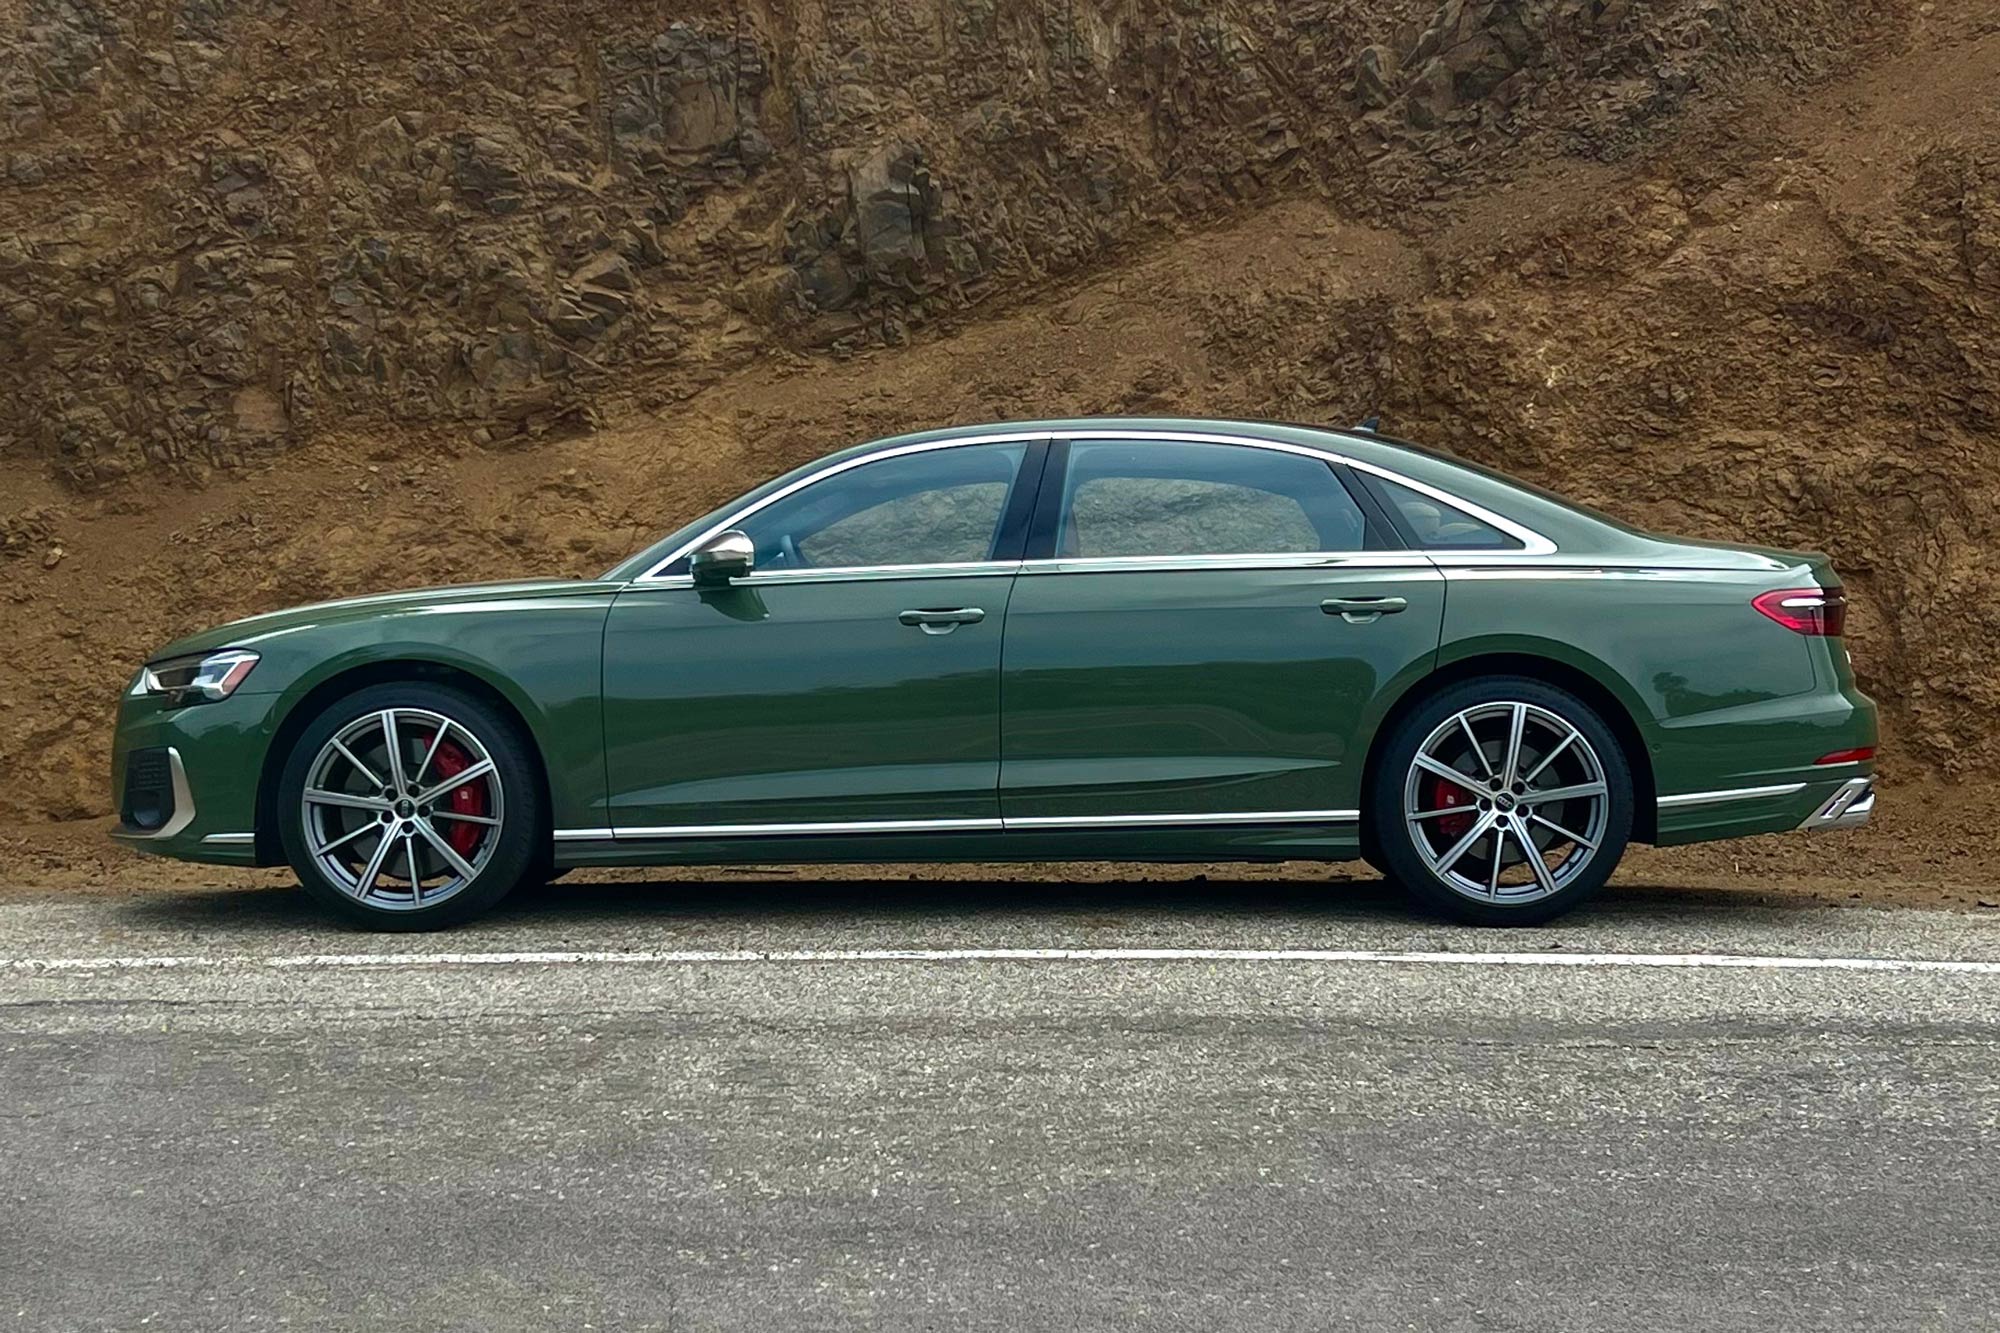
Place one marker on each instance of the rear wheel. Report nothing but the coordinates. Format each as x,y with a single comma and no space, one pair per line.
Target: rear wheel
410,807
1503,801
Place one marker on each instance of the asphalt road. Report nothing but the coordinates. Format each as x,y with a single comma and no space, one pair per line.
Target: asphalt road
614,1109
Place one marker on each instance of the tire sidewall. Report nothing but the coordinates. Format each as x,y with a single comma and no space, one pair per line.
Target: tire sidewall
522,832
1390,838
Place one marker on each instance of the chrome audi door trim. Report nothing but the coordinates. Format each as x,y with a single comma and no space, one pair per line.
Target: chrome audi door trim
834,470
1037,822
1734,794
871,573
844,574
1532,543
1156,564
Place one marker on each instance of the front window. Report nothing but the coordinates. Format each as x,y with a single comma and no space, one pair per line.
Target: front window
941,506
1189,499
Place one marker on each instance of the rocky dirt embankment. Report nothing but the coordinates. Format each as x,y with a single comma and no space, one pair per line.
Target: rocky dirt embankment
231,224
305,299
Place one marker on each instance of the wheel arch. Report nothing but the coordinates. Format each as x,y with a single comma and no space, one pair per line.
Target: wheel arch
344,681
1604,699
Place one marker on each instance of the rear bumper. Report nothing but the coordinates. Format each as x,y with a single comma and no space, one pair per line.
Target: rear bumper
1849,807
1805,801
1755,768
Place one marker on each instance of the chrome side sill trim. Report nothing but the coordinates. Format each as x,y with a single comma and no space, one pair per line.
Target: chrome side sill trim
183,806
807,830
1848,807
1169,821
229,840
842,827
1733,794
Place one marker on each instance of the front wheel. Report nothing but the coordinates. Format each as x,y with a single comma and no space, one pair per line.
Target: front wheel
410,807
1502,801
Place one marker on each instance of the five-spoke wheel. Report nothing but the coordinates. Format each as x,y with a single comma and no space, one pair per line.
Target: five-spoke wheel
1503,800
410,805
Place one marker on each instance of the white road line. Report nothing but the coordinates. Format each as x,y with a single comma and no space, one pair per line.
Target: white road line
705,957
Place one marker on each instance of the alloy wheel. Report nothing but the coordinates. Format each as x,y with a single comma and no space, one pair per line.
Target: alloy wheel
402,808
1506,802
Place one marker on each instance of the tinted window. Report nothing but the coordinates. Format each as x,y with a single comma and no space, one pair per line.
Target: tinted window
1202,499
939,507
1434,523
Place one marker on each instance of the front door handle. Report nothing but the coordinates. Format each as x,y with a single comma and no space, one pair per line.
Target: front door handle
1364,610
942,622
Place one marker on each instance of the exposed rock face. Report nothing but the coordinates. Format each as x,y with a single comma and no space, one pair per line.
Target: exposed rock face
390,246
380,212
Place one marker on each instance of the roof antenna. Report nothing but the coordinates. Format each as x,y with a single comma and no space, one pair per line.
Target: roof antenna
1371,425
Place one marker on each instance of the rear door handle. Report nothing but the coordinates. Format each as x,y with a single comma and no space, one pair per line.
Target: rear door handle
1362,610
942,622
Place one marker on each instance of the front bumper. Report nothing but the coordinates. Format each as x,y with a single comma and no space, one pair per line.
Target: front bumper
185,779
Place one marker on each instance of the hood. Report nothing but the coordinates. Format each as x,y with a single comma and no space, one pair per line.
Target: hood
245,633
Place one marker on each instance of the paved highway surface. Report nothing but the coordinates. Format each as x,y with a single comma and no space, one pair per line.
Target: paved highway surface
958,1106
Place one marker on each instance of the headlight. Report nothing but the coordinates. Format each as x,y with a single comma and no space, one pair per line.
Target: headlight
199,678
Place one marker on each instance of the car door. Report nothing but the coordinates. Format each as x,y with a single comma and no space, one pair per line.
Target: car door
1203,632
851,679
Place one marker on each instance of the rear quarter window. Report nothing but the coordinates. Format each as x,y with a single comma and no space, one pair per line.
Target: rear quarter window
1429,523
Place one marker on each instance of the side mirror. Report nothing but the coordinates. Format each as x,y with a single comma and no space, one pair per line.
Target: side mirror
725,556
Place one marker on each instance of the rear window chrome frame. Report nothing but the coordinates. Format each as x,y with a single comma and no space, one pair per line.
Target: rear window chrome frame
1532,543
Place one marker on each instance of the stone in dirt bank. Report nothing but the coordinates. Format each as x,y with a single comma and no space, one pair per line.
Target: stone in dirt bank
303,301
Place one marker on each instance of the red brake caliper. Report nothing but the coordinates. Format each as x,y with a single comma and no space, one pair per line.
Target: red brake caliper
469,799
1449,796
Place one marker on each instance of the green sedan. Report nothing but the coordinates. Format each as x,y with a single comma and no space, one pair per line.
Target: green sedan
1120,640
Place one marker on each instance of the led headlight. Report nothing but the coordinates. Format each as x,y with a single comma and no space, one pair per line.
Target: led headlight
200,677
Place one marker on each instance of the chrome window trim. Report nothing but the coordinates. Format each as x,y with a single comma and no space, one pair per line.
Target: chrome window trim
1695,798
1261,560
177,780
834,470
1583,573
972,569
978,569
1532,543
844,827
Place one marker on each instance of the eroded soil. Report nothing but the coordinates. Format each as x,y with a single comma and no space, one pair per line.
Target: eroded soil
310,300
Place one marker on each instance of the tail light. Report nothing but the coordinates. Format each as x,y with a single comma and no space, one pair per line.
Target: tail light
1860,754
1817,611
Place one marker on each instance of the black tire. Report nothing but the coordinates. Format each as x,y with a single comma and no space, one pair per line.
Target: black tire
541,876
516,844
1393,839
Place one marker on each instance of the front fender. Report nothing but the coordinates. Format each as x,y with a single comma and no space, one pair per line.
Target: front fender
542,657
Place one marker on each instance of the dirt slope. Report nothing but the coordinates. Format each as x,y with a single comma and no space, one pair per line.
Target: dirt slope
308,299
